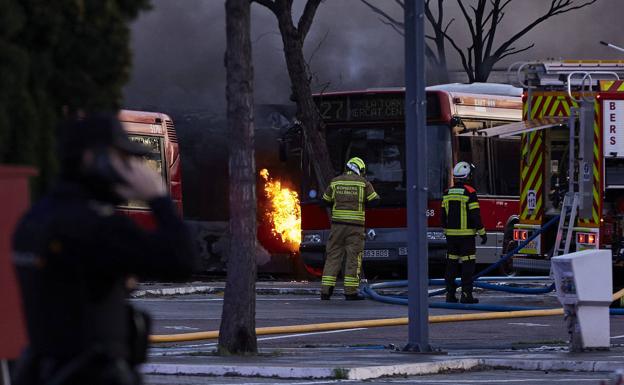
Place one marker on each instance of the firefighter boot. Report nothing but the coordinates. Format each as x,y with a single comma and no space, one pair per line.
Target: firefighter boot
326,296
466,297
450,294
354,297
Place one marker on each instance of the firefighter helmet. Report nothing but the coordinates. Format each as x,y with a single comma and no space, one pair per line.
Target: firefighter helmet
356,165
463,170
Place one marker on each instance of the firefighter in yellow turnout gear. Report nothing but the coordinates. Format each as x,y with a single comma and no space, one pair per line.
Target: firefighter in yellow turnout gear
461,220
348,195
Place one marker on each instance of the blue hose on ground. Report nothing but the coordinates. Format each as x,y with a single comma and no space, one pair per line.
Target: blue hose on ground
371,293
517,290
477,283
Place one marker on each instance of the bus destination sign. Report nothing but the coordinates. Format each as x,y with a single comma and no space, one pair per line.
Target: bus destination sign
370,107
354,108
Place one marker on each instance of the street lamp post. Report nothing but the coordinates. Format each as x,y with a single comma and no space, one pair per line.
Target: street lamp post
416,147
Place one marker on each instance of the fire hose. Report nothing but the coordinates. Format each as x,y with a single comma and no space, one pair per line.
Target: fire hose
308,328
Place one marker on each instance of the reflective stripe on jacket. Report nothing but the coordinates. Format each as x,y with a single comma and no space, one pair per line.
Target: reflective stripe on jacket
348,193
461,214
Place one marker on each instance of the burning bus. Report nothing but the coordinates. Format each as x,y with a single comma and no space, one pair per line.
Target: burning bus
370,124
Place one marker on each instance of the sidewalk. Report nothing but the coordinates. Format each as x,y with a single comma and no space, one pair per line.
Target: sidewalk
368,363
158,289
218,287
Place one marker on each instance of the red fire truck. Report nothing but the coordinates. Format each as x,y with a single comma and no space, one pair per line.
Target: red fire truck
370,124
155,131
572,163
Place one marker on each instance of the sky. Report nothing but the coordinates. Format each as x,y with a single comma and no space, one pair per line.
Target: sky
179,46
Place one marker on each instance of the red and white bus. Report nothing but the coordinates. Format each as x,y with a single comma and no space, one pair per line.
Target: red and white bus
155,131
370,124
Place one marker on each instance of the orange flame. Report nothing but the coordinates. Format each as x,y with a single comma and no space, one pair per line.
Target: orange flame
284,212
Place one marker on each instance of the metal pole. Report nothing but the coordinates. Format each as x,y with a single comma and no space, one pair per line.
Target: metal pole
416,147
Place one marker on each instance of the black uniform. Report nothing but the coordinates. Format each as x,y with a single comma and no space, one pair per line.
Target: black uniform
461,220
73,254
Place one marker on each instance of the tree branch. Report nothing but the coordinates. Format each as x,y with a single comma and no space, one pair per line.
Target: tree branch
467,68
389,19
468,19
306,19
557,7
514,51
397,29
316,49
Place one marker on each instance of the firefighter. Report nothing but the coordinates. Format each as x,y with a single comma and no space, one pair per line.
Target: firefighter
461,220
347,194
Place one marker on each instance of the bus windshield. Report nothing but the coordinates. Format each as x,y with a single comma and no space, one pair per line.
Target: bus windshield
383,150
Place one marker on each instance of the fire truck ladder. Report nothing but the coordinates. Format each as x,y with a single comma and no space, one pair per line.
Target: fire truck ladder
569,209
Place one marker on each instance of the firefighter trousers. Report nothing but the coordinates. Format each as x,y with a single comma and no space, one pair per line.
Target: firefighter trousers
461,249
345,242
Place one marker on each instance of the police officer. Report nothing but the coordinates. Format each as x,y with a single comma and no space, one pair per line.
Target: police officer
348,194
74,254
461,220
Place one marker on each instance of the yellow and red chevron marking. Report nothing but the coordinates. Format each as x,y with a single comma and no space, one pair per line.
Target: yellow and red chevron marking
545,105
594,221
612,85
532,176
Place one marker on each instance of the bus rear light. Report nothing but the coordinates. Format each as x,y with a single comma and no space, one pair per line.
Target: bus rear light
586,238
520,235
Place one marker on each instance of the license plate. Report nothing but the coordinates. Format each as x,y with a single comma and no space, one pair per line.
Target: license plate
383,253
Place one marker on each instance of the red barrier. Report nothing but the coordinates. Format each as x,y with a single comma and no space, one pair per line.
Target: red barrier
14,200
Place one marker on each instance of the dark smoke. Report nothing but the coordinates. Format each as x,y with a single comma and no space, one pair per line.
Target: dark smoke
178,66
179,46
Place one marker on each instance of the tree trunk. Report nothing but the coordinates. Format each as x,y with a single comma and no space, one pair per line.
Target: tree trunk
312,124
237,333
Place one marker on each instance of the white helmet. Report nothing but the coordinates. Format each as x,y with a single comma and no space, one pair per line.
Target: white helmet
463,170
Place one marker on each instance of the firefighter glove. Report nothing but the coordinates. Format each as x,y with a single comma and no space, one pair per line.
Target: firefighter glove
483,239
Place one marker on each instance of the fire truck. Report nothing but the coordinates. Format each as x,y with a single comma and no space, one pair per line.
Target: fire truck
572,160
370,124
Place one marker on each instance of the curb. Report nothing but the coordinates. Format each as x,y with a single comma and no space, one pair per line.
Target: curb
186,290
358,373
372,372
553,365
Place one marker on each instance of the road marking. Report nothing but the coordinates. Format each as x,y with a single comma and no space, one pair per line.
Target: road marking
315,298
528,324
498,381
180,328
282,382
617,337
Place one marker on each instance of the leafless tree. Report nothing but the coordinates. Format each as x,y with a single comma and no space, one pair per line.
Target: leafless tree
237,333
293,38
483,17
435,49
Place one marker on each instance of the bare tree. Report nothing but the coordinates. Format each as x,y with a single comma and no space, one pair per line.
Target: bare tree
483,18
237,333
435,49
293,38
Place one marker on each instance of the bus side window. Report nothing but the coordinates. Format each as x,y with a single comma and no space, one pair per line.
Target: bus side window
505,166
154,159
474,150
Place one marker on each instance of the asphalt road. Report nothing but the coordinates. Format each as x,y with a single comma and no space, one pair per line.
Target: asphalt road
203,312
